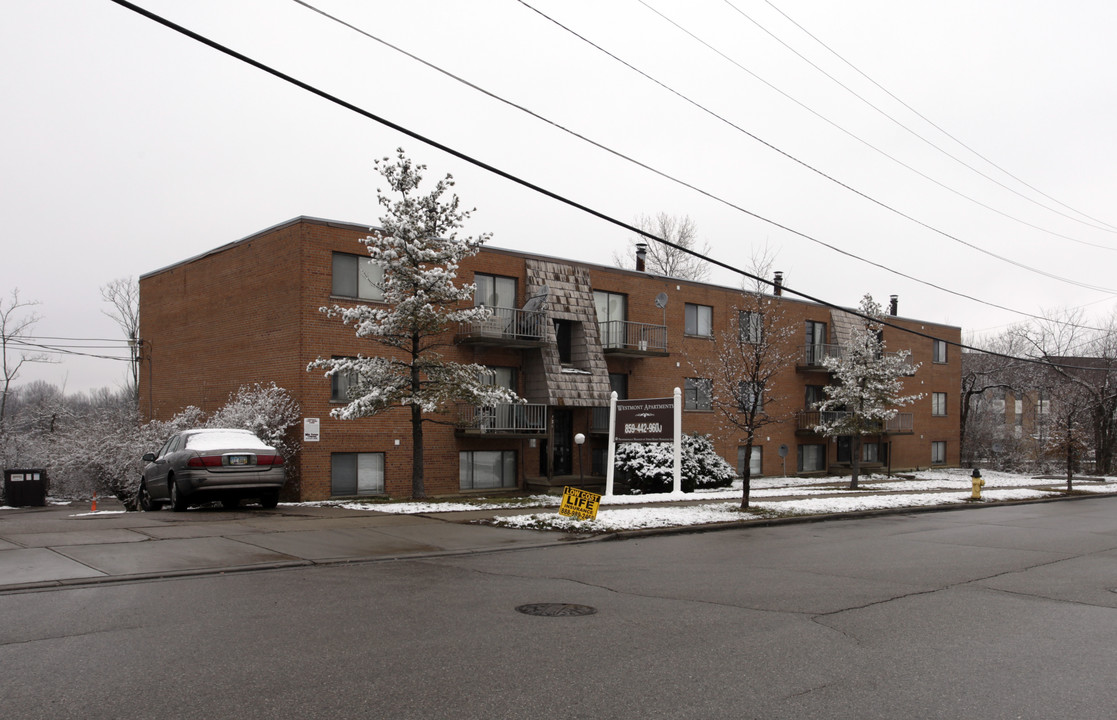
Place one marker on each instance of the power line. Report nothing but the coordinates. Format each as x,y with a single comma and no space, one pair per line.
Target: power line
518,180
1102,224
708,194
869,145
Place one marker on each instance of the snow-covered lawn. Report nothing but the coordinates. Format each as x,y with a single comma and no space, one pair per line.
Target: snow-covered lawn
796,496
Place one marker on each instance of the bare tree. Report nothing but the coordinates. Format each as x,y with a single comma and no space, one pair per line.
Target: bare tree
986,377
16,320
663,259
124,296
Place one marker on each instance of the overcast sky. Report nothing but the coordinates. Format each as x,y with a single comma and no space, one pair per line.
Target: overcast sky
128,147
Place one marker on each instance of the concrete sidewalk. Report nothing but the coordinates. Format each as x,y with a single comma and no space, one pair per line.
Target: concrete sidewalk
63,545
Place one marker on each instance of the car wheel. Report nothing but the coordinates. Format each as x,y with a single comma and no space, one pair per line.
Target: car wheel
230,503
269,500
178,503
145,502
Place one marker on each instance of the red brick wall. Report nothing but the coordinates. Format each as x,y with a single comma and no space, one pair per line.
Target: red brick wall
249,312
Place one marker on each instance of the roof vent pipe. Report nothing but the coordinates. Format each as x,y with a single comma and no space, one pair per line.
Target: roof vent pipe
894,306
641,253
777,285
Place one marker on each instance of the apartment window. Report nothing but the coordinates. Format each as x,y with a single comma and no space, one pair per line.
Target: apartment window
811,458
938,452
357,473
618,383
816,342
755,461
814,397
750,327
494,291
340,383
698,320
487,469
1019,413
612,311
938,403
358,277
750,394
698,394
939,351
870,452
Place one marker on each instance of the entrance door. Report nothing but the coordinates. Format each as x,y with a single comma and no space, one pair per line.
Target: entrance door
564,442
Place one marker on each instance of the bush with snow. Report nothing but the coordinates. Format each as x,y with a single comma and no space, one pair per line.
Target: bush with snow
649,468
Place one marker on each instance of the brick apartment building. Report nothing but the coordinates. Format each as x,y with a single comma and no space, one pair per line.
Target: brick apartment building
563,335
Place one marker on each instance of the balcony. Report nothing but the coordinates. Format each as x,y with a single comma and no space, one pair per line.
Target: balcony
813,356
506,327
503,420
899,424
633,339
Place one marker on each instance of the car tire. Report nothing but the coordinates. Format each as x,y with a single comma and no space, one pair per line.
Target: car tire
178,503
269,501
230,503
144,500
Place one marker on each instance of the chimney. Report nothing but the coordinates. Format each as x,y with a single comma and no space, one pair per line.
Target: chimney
894,306
777,285
641,253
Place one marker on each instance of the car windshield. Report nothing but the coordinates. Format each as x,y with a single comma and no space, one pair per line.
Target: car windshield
225,440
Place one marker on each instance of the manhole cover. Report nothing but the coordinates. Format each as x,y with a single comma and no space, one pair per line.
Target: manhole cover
556,609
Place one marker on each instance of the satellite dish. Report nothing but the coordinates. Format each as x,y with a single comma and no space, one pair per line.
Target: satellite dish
536,302
661,300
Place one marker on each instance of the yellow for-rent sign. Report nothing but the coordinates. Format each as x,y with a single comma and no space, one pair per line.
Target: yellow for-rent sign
579,504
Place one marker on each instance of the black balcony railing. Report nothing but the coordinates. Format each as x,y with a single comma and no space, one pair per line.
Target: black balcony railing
808,420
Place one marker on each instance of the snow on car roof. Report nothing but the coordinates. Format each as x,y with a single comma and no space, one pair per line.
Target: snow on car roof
224,439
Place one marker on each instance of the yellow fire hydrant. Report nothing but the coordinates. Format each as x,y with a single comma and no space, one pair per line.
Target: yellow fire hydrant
978,483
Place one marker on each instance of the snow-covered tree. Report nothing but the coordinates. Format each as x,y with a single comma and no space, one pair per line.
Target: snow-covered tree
269,411
750,354
663,259
418,251
867,384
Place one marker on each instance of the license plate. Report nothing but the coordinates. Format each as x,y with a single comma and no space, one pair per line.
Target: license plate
238,460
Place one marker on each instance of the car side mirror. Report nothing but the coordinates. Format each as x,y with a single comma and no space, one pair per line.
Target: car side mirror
148,457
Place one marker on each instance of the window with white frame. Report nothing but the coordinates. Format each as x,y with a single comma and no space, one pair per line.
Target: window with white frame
938,452
486,469
357,277
698,394
811,458
755,461
612,311
750,327
494,291
939,351
938,403
357,473
698,320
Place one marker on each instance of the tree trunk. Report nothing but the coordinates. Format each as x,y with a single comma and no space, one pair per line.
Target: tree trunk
854,460
418,491
746,476
1070,455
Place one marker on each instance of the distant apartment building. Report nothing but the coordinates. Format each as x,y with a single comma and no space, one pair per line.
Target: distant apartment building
563,334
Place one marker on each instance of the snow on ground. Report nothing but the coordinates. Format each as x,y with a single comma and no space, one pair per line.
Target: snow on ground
799,496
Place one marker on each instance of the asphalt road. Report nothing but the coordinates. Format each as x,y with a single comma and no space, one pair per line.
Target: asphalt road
1000,612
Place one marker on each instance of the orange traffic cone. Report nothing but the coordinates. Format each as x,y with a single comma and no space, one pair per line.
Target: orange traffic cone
94,508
